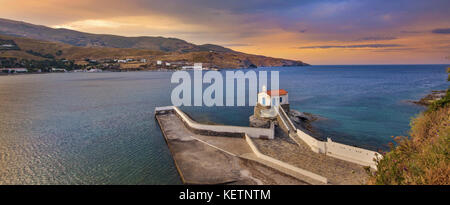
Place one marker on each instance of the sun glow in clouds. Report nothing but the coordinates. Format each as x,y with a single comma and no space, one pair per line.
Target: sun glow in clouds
88,24
271,28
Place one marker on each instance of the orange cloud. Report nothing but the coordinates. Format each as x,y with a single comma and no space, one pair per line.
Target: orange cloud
331,36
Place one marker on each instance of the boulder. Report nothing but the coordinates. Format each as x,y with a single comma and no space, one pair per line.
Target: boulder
259,122
297,116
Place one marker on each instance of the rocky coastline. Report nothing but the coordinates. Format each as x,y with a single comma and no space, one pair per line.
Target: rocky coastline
430,98
302,120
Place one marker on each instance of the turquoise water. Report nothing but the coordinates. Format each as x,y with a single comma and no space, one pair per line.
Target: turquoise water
362,105
99,128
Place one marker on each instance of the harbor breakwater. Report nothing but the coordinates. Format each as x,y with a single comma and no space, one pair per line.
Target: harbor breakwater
230,135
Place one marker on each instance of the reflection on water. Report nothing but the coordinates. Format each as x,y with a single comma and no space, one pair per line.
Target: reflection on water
83,129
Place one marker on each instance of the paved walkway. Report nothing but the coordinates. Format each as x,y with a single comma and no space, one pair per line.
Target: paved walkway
300,155
219,160
224,160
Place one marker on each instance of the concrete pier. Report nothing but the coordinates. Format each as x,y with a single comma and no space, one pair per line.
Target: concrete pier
207,154
204,159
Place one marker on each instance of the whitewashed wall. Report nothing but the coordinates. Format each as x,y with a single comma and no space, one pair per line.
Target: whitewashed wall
266,97
352,154
250,131
341,151
315,145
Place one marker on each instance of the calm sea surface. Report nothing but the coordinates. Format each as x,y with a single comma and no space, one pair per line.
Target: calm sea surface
99,128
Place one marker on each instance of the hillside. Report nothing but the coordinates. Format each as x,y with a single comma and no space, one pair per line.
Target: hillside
60,50
76,38
30,49
423,157
230,60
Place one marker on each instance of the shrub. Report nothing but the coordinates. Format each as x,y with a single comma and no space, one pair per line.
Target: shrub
422,158
440,103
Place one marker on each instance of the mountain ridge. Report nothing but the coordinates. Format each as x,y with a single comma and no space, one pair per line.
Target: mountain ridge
83,39
35,42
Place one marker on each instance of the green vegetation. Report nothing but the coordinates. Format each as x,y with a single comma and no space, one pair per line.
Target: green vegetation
49,56
440,103
35,65
448,71
8,45
423,157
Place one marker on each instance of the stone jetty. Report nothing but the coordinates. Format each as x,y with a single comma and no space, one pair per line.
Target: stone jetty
219,154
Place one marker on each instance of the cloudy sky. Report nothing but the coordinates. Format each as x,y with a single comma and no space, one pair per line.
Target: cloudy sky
314,31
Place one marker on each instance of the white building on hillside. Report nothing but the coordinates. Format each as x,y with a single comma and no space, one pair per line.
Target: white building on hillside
273,97
59,70
14,70
196,66
95,70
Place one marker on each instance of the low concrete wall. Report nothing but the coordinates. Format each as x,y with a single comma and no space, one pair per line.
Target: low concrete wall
341,151
352,154
284,164
237,131
315,145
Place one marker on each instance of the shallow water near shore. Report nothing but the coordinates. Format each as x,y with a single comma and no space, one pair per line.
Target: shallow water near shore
99,128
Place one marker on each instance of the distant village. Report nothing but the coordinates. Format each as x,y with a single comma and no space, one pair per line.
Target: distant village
51,63
95,66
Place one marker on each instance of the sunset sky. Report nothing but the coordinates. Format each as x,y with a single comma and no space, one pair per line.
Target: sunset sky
316,32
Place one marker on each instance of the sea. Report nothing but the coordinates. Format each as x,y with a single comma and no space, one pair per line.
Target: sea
99,128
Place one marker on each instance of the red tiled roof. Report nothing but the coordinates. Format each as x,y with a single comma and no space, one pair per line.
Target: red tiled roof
280,92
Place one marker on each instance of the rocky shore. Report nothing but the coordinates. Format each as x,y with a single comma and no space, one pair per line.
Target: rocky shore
430,98
302,120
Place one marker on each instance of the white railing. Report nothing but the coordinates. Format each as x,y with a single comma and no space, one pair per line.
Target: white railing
289,122
283,121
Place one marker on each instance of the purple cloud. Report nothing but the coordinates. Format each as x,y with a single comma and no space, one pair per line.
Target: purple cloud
377,38
441,31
